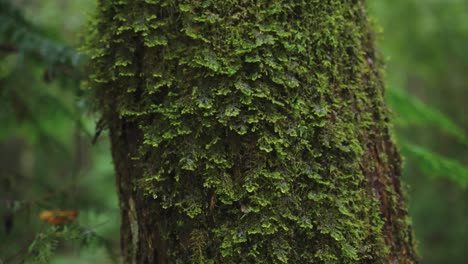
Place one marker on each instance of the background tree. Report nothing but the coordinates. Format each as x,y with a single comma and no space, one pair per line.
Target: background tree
248,132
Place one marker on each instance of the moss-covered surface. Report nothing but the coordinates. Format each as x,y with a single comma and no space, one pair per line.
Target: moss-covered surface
253,123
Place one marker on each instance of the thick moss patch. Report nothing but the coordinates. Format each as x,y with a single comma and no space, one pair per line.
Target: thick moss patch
252,115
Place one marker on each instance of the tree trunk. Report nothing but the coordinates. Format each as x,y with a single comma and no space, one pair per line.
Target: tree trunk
248,132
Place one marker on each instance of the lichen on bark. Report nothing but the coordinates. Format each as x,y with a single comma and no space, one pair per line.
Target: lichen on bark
248,132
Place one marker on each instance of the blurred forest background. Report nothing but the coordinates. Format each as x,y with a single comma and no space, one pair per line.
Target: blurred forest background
50,157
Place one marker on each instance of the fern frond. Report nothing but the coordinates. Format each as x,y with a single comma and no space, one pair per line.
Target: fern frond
436,165
413,112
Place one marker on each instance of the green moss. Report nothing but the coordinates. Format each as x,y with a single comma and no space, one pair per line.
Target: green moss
253,115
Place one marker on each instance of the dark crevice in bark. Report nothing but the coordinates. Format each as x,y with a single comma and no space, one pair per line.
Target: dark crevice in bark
137,212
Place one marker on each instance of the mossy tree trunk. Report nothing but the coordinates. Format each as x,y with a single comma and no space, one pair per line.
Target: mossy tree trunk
248,132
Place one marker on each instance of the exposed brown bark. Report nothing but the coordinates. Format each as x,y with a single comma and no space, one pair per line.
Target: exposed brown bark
382,166
140,238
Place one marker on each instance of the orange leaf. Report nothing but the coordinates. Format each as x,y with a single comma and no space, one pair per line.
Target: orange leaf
58,217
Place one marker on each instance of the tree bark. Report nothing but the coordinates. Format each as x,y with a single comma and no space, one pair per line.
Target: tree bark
249,132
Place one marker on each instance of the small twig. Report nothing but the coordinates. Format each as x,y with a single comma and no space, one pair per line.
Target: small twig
100,126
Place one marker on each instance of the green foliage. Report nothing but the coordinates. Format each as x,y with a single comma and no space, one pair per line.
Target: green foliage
41,250
45,156
259,108
425,45
25,47
18,35
423,50
412,112
436,165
